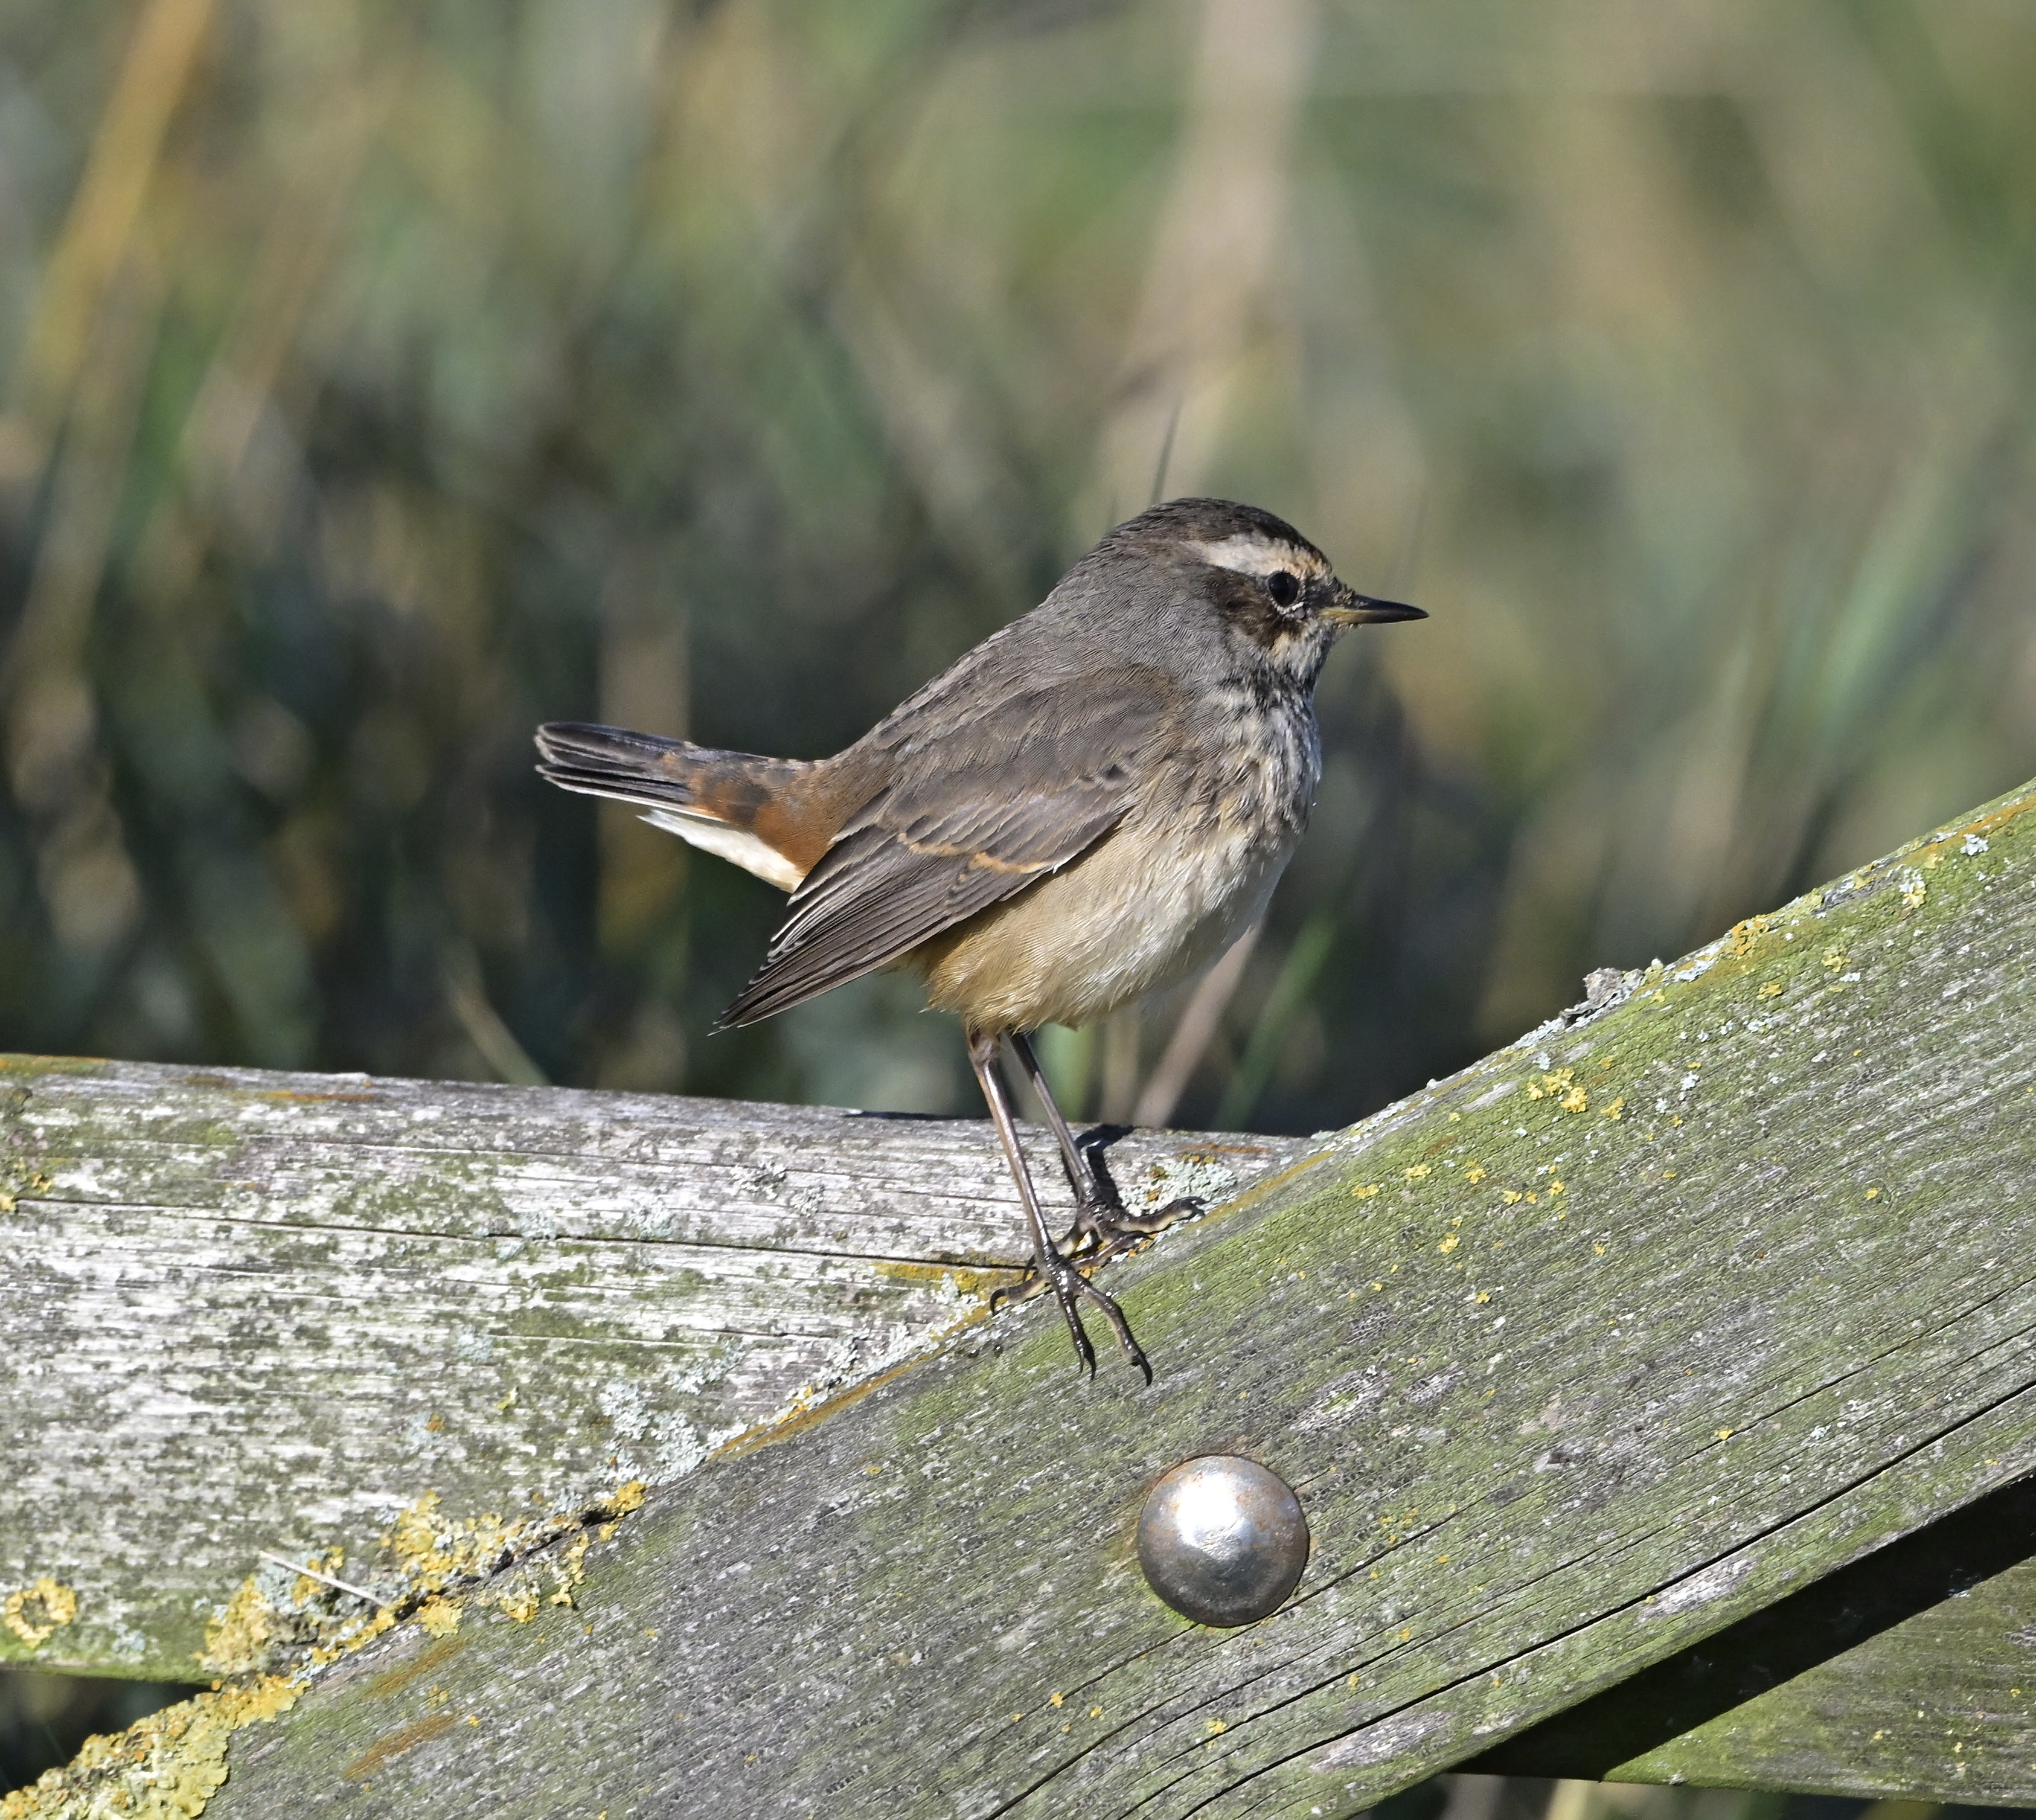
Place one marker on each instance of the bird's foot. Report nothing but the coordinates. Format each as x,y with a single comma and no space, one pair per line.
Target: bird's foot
1103,1228
1070,1283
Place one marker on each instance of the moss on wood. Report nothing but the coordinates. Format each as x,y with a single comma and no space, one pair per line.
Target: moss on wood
262,1312
1577,1360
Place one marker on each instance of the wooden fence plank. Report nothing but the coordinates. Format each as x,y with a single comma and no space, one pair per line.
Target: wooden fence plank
257,1311
1939,1707
1578,1360
1907,1673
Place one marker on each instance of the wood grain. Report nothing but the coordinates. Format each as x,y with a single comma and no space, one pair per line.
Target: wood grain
1906,1673
1582,1361
250,1311
1939,1707
1577,1360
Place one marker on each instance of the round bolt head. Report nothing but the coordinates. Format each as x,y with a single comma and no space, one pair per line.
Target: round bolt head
1223,1540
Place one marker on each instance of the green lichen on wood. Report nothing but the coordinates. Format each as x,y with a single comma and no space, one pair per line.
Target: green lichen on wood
167,1766
230,1340
1563,1393
1939,1704
33,1614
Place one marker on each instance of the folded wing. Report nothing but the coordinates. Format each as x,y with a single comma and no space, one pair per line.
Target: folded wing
972,816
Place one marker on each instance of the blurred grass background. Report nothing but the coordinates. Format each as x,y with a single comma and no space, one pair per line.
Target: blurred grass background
382,380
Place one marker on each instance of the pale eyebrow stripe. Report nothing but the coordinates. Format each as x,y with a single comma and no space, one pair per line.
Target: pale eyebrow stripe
1249,555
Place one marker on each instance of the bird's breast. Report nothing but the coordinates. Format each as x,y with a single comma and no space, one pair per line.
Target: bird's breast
1184,874
1262,753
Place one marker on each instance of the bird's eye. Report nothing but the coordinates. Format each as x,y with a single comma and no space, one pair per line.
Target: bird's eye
1284,589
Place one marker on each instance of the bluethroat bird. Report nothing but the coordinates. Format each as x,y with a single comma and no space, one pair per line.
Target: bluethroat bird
1091,805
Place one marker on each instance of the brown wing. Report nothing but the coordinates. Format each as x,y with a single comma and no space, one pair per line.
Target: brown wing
977,809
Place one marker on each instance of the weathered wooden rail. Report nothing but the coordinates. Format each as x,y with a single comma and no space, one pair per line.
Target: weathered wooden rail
1660,1391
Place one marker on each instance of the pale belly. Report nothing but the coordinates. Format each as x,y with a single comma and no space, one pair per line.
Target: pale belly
1141,910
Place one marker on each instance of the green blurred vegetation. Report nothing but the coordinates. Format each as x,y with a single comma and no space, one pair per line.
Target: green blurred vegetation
383,380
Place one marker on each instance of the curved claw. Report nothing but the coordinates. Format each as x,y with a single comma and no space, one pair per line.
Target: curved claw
1068,1283
1064,1293
1011,1294
1115,1315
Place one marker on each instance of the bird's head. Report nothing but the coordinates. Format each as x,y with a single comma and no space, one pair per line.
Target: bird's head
1271,588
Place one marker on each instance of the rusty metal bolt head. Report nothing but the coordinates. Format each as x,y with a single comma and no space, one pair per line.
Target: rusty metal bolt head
1223,1540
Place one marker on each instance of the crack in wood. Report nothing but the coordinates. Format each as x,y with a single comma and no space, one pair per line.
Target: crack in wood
1661,1372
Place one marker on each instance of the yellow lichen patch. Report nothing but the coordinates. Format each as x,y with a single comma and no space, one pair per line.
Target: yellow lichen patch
1475,1174
520,1600
569,1569
972,1287
1772,989
35,1614
1614,1110
435,1556
413,1537
433,1550
319,1098
351,1635
167,1766
171,1763
1551,1085
438,1617
805,1412
32,1183
236,1642
425,1545
1418,1171
1574,1100
1364,1190
1744,935
306,1588
1836,959
1448,1243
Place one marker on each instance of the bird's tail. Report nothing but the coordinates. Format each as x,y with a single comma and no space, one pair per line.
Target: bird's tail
755,812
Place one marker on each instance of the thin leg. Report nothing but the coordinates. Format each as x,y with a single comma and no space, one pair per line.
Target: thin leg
1100,1215
1068,1283
1092,1190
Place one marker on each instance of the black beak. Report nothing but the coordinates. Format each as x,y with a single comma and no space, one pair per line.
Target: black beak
1362,610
